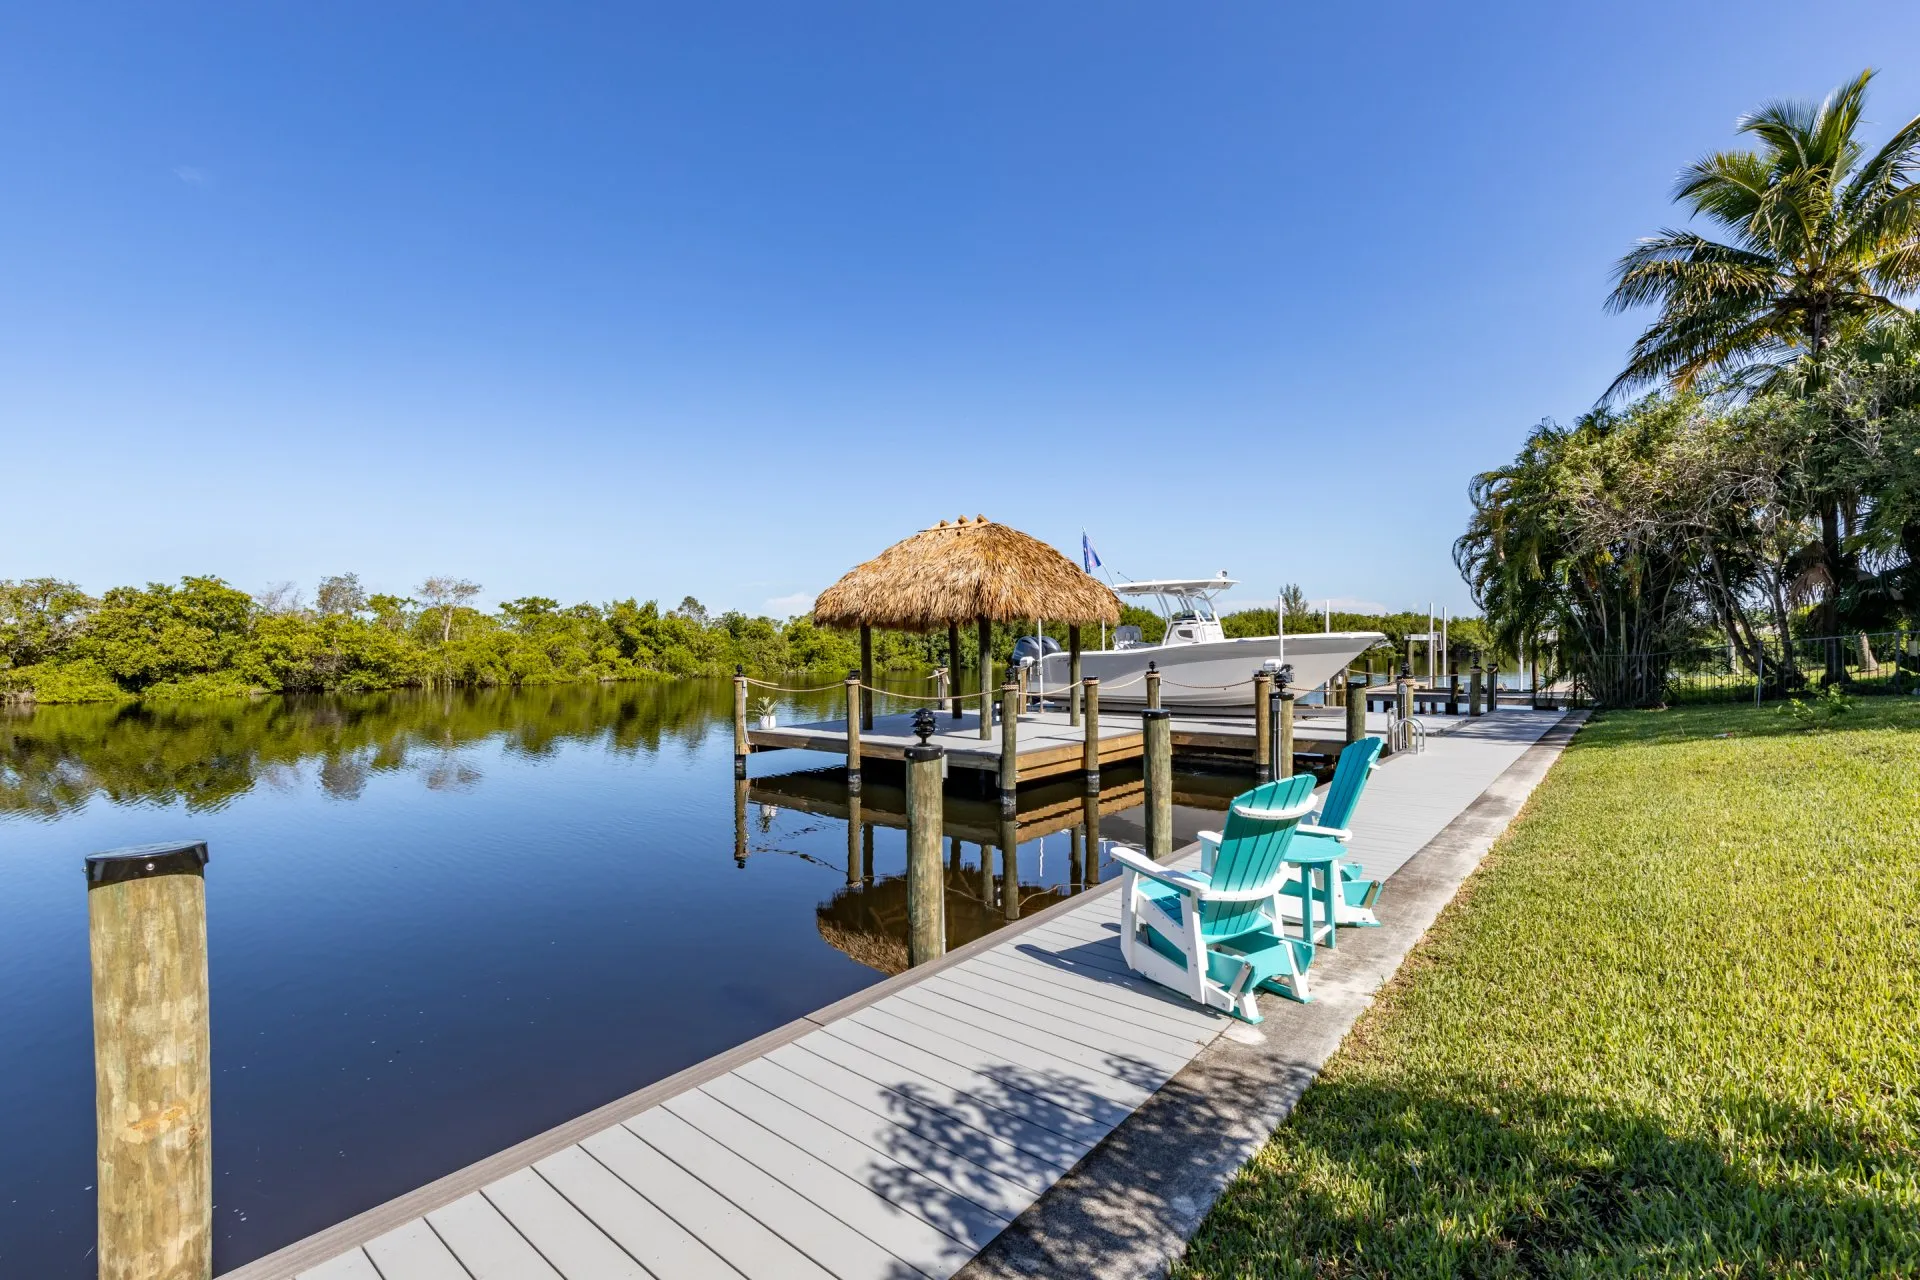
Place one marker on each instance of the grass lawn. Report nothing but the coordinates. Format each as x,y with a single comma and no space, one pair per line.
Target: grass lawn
1670,1027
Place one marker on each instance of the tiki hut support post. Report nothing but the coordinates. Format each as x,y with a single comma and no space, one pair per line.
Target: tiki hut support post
1073,670
866,676
953,665
986,679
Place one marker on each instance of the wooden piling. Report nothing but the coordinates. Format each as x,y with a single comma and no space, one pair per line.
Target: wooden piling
1009,748
853,838
1477,692
1090,750
853,733
1076,859
1090,824
866,676
1157,728
1283,738
1073,673
1453,693
953,663
926,879
1009,867
1262,725
1356,709
986,679
147,934
1153,687
739,822
740,747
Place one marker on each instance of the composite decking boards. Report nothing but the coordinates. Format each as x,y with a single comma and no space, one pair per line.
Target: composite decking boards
892,1142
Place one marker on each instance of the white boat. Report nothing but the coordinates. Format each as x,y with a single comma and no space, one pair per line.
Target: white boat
1200,668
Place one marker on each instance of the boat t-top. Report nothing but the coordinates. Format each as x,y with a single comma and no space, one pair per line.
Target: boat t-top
1200,667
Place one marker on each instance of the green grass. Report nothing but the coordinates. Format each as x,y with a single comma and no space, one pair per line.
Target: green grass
1670,1027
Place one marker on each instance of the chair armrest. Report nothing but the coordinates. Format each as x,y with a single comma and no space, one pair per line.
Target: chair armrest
1342,834
1136,861
1209,849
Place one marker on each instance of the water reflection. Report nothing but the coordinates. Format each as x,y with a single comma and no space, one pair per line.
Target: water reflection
985,884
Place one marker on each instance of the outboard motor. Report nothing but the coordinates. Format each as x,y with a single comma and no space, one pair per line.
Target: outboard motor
1033,648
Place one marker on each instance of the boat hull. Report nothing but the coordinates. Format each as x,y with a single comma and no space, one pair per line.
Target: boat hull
1192,676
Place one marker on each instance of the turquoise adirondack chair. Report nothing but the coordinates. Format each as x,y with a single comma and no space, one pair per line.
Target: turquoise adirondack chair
1353,903
1211,934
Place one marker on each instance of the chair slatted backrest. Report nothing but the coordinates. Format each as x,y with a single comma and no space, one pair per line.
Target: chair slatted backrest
1349,780
1260,826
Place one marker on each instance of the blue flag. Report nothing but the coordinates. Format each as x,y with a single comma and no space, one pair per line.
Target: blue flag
1088,559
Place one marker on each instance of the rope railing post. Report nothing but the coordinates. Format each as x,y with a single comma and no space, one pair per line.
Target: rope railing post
853,733
1090,752
740,746
1356,709
1157,728
1263,725
153,1077
1009,748
1153,687
926,879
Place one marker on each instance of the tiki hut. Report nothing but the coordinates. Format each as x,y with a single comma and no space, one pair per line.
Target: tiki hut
974,571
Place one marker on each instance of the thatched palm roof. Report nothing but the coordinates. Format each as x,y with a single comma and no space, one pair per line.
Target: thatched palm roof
961,572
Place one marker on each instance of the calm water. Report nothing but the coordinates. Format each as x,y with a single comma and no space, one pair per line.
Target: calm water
440,923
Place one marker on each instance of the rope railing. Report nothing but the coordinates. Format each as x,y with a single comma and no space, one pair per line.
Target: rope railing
1177,685
780,688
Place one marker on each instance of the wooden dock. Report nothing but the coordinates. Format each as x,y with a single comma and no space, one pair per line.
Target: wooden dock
1048,745
888,1137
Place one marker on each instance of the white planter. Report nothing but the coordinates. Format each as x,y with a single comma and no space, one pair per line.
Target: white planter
766,721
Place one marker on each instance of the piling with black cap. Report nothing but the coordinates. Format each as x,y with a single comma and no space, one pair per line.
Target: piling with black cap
1153,686
1157,728
926,880
1090,751
147,934
740,747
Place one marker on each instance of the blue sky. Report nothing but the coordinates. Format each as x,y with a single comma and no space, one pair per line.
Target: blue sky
722,299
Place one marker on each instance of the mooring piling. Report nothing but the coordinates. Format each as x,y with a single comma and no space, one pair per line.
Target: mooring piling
1476,698
1283,733
1153,686
739,822
1090,751
926,879
853,837
740,747
147,934
1263,725
854,697
1157,728
1009,867
1090,824
1356,709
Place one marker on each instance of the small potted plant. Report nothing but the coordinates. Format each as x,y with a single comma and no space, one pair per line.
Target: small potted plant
764,709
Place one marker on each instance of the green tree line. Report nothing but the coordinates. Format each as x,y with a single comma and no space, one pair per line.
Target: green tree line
1766,489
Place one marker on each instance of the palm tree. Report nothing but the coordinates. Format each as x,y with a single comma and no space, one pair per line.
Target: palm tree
1818,244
